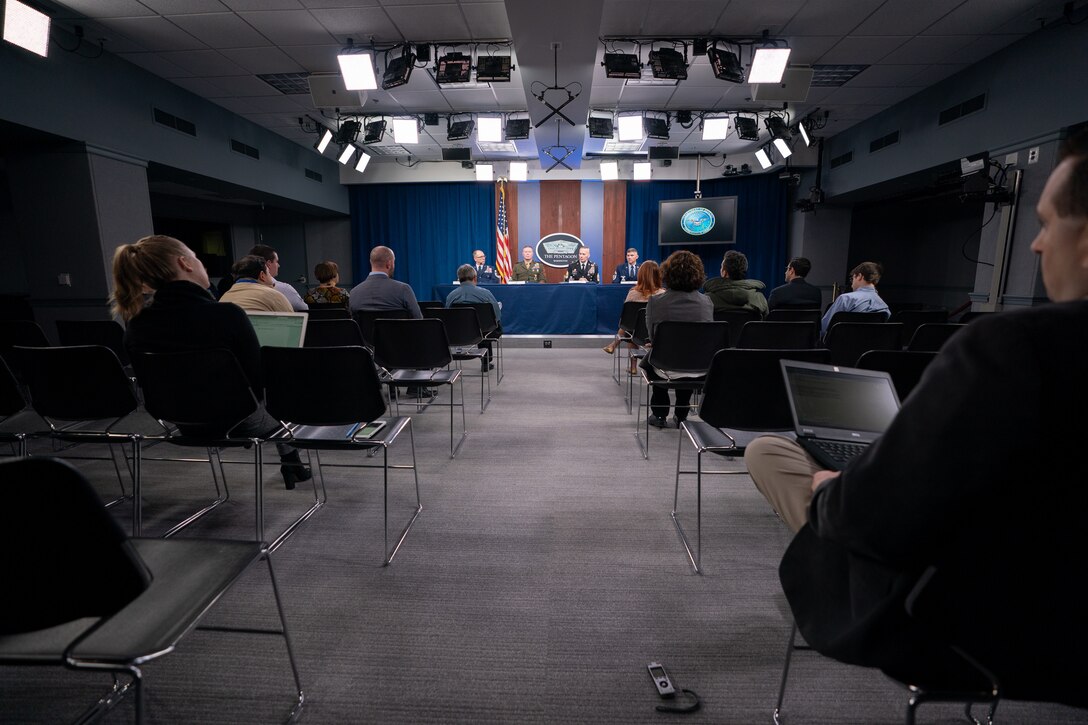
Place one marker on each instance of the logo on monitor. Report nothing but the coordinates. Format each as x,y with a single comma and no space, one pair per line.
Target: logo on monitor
697,221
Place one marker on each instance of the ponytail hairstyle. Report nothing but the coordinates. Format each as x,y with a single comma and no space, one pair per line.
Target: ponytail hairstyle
145,265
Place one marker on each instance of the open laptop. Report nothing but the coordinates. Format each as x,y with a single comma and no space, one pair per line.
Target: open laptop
838,411
279,329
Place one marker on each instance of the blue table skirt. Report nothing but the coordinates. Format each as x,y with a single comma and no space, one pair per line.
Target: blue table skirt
556,309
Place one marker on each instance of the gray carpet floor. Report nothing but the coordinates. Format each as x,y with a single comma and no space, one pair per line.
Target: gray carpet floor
542,576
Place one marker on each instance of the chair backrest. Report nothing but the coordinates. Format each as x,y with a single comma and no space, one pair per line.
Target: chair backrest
22,333
629,315
871,317
911,319
905,367
432,305
84,382
204,389
687,347
794,314
333,333
327,312
11,397
931,336
327,386
365,320
639,335
60,540
411,344
848,340
107,333
486,312
736,320
462,324
777,335
744,388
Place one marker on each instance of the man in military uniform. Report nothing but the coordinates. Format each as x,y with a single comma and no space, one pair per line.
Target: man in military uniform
627,271
583,268
527,270
485,273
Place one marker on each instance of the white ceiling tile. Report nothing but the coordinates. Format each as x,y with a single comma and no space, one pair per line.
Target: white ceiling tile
487,20
929,49
752,17
204,63
113,40
430,21
830,17
103,9
263,60
645,96
289,27
183,7
695,97
511,97
604,96
360,24
862,49
419,100
154,33
158,65
220,30
978,17
315,58
321,4
807,49
620,17
906,17
683,17
246,5
471,100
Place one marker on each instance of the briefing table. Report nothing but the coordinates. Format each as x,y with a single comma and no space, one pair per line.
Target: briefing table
555,309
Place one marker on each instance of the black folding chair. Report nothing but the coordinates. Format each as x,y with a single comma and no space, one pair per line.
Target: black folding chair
90,599
930,337
431,305
736,320
794,314
777,335
492,331
911,319
682,349
107,333
332,333
848,340
639,337
19,333
904,366
297,383
322,312
628,322
744,397
465,337
200,399
85,396
416,353
12,406
366,318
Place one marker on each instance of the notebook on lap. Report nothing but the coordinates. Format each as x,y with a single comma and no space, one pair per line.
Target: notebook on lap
838,412
279,329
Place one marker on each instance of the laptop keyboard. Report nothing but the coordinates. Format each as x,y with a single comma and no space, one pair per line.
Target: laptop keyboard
842,452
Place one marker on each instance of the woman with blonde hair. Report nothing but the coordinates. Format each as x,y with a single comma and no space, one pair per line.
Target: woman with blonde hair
648,285
183,316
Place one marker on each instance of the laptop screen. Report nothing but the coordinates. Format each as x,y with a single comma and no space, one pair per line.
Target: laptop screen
279,329
836,402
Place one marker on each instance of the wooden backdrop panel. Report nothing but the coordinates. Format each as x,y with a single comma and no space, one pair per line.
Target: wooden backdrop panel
560,211
615,227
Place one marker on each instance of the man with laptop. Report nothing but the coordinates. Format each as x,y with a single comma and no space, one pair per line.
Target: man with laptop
975,492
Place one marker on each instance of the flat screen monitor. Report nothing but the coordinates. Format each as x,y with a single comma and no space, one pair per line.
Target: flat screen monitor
698,221
279,329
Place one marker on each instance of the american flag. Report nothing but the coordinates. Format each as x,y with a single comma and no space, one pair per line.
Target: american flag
502,239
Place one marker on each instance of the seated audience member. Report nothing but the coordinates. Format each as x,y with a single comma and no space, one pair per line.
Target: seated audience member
183,316
253,288
864,298
683,275
485,274
648,285
1002,524
797,293
288,291
328,292
627,271
379,291
468,293
733,290
527,270
583,268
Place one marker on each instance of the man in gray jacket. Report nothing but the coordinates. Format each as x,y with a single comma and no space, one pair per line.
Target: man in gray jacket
733,290
379,291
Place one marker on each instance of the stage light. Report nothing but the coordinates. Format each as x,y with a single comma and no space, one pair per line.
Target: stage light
600,127
485,172
610,170
489,129
631,128
804,133
763,158
398,71
715,129
668,64
656,128
726,65
374,132
777,127
453,68
324,141
459,130
405,130
517,129
358,71
643,171
768,65
747,128
491,68
348,132
26,27
360,165
783,147
346,154
622,65
519,171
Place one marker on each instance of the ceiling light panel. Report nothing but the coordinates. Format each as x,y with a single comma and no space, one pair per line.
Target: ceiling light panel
715,129
358,71
768,65
489,129
643,171
519,171
485,172
405,130
610,170
630,128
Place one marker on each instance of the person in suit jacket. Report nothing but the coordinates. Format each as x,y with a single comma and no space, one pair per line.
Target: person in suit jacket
379,291
896,515
627,271
527,270
485,274
584,268
797,293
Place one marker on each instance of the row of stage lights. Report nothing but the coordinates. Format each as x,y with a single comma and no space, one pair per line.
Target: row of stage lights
359,69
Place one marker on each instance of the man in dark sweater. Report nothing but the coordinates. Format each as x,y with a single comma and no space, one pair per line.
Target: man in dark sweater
797,293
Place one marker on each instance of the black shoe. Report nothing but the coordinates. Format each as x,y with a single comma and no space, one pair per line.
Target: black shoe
293,471
657,421
675,422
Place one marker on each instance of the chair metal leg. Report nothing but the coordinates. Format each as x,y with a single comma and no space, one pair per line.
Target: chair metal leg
643,420
319,501
222,497
464,422
695,557
385,484
300,700
785,674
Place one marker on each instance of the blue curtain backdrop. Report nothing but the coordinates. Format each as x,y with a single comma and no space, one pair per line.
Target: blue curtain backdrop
761,223
432,228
